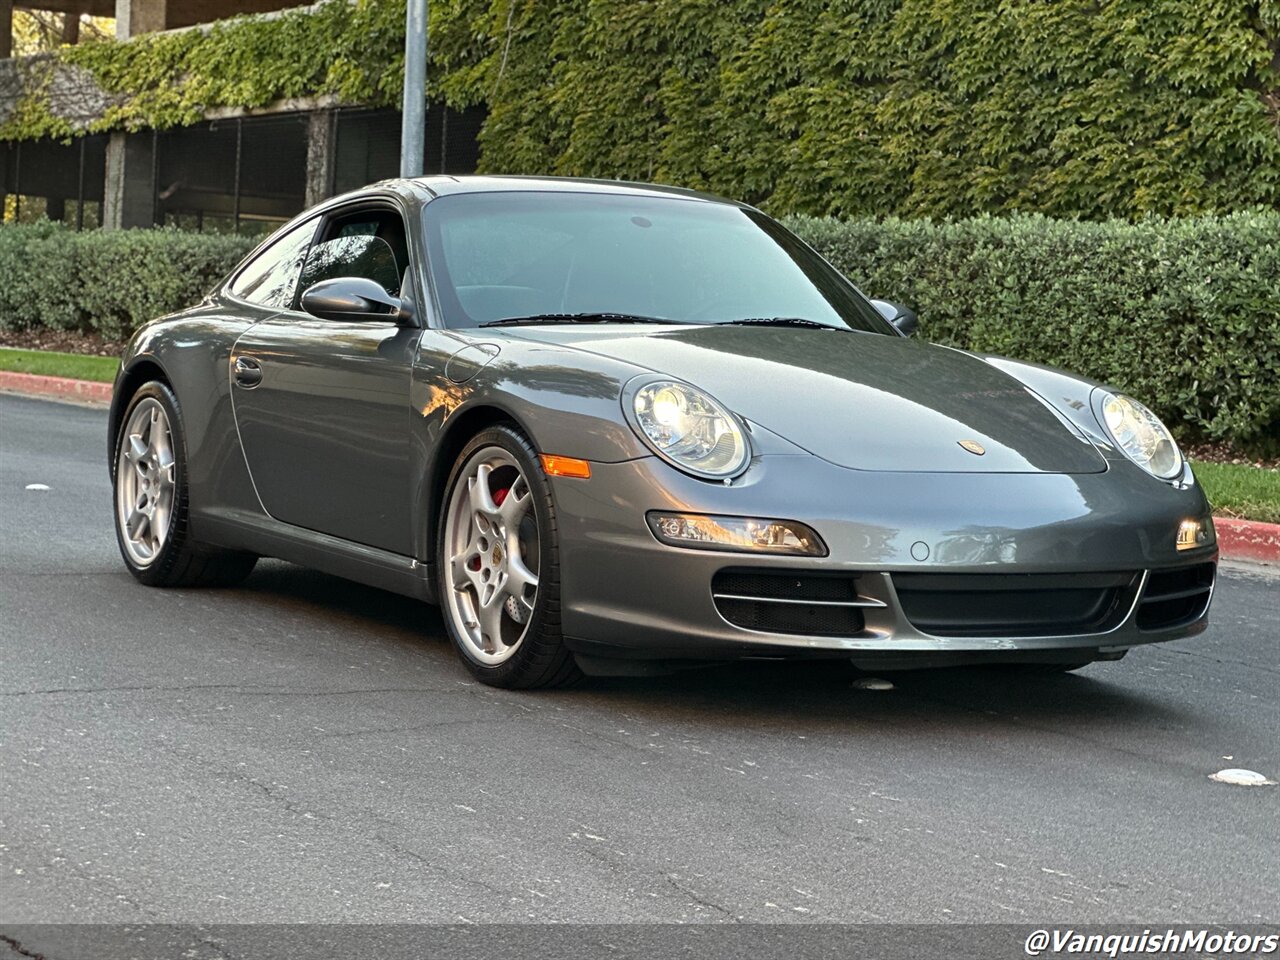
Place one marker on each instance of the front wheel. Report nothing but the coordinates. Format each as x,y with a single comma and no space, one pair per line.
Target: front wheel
150,479
499,567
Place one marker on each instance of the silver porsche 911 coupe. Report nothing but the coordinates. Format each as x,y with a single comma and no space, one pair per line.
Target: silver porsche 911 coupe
615,428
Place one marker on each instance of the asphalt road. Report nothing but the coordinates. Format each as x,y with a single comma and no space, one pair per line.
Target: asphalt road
304,749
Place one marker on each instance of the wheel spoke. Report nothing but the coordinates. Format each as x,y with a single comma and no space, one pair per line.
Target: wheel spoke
515,506
160,522
490,616
481,498
136,449
165,465
460,569
519,577
134,524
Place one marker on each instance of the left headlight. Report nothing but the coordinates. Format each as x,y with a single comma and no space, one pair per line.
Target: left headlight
690,429
1141,436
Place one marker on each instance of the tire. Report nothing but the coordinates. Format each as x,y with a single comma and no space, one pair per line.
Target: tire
150,500
498,565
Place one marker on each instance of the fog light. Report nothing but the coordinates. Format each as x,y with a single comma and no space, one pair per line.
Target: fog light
1195,533
745,534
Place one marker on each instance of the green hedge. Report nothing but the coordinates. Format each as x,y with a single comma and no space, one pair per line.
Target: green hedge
1183,313
106,281
915,108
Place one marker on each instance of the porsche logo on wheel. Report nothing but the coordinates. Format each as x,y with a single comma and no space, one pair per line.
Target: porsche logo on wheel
973,447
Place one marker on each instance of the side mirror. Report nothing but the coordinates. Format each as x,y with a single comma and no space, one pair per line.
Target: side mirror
903,318
352,298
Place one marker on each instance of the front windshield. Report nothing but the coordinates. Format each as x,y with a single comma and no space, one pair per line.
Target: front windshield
504,256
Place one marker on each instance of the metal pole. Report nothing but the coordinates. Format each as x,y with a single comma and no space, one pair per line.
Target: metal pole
413,130
239,157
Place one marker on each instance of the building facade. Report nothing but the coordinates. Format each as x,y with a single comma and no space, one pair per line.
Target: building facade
241,170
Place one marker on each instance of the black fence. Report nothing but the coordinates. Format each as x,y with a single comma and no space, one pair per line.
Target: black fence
236,175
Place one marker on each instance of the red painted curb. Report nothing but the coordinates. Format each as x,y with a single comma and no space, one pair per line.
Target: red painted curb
1237,539
63,388
1248,540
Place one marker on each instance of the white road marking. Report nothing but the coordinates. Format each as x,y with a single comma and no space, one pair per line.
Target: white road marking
1242,778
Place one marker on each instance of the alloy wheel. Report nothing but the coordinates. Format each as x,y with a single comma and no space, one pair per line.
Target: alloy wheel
492,546
145,482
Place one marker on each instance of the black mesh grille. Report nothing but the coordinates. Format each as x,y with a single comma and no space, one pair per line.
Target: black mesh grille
1175,597
791,618
786,586
1014,605
775,602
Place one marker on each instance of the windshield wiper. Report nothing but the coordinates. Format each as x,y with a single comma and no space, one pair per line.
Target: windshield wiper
575,318
778,322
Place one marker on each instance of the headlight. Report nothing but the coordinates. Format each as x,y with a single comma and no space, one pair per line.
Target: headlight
688,428
1140,434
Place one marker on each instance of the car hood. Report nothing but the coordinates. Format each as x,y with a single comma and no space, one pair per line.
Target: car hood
863,401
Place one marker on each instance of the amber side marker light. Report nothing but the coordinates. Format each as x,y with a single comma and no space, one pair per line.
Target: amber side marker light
566,467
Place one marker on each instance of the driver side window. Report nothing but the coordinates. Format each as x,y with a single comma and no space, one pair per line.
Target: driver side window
369,244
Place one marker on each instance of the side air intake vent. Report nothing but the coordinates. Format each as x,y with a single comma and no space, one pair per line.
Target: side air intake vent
1175,597
809,604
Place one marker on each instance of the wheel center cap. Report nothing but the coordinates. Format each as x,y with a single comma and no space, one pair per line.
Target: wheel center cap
497,555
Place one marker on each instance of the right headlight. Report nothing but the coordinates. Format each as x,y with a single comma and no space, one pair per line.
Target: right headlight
1141,436
690,429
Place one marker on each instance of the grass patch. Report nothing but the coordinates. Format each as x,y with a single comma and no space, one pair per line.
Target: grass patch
49,364
1239,490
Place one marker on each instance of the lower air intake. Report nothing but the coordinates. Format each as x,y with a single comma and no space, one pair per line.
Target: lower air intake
1015,604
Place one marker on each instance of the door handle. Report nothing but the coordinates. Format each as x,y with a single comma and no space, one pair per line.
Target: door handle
248,372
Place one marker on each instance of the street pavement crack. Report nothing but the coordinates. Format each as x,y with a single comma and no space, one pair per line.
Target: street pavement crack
673,881
17,947
137,688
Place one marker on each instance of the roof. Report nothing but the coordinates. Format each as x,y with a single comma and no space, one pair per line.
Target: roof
441,186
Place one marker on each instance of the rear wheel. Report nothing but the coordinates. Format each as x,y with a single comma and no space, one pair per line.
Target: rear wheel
499,568
150,479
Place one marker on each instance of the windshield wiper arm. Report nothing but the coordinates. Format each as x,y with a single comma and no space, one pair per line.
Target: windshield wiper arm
575,318
779,322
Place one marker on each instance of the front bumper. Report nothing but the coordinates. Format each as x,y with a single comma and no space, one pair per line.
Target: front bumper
625,595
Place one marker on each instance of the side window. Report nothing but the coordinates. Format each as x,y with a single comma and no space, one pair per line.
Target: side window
272,277
369,257
369,244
